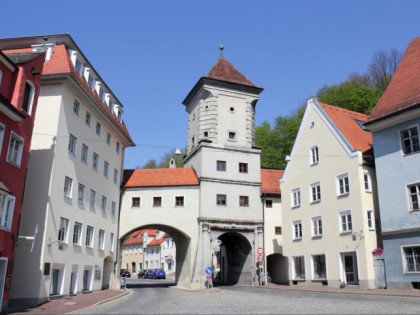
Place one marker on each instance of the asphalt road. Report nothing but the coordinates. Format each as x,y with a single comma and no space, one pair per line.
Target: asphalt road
158,297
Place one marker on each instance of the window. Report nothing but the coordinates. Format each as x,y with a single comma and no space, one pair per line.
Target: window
98,128
77,233
91,82
243,201
135,202
345,221
92,202
367,183
179,201
221,166
7,205
72,144
108,138
14,155
2,128
62,231
106,169
316,227
117,147
84,156
28,97
115,176
231,136
410,140
76,107
111,242
110,105
269,203
101,240
221,200
87,119
95,161
113,208
89,236
243,167
78,66
315,192
299,268
411,258
371,219
343,185
68,182
414,194
157,201
277,230
297,230
103,204
1,76
296,197
314,155
101,94
81,193
320,270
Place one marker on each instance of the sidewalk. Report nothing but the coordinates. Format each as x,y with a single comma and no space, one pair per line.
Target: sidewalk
348,290
69,304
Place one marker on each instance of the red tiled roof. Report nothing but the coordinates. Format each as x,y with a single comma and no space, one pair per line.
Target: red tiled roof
137,236
270,181
403,91
346,121
223,70
155,242
160,177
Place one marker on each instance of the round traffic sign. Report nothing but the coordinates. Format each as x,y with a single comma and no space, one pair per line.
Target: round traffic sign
260,251
260,258
208,270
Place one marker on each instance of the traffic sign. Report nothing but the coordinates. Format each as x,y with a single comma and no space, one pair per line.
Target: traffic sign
260,251
260,258
208,270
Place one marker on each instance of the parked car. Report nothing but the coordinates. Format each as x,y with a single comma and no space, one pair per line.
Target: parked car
141,274
125,273
148,274
159,274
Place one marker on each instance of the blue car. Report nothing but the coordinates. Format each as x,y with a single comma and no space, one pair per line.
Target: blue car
159,274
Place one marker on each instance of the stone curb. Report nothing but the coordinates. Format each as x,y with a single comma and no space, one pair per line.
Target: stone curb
102,301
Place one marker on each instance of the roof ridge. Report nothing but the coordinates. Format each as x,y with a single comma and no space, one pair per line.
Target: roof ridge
223,70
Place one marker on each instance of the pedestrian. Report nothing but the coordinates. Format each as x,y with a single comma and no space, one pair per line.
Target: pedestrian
209,281
122,283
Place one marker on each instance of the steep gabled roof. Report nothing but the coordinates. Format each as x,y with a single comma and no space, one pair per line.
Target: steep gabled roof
156,242
403,92
135,238
350,123
160,177
270,181
223,70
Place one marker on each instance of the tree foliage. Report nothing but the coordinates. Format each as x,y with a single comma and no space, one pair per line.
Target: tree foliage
164,161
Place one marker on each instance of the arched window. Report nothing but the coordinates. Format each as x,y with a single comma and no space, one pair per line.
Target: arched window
28,97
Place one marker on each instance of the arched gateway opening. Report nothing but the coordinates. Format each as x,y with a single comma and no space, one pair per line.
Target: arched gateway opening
181,260
234,259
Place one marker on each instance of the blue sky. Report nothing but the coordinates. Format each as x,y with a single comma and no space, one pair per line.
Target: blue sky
151,53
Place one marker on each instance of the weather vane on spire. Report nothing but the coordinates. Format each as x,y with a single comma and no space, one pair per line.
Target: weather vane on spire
221,47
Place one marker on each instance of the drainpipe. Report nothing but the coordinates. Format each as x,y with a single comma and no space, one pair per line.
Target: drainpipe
262,195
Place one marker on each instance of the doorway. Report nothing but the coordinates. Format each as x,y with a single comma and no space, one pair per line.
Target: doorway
350,268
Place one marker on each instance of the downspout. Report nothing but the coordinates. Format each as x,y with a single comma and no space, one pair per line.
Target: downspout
263,237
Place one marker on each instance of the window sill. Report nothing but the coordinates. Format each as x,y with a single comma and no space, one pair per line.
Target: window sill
343,195
315,202
14,163
345,233
297,240
295,207
316,237
314,163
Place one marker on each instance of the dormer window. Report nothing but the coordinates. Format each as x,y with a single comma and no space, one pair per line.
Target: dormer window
111,105
78,66
28,97
91,82
101,94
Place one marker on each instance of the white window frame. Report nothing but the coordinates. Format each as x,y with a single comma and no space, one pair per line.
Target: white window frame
88,118
341,183
68,186
367,182
92,201
117,147
316,226
63,230
113,208
90,230
76,108
132,204
98,128
77,233
314,267
232,136
302,263
101,239
31,98
84,154
296,198
414,197
116,173
15,149
95,161
175,201
415,258
103,204
297,230
315,191
410,138
153,201
221,166
106,169
314,154
72,144
346,225
223,197
111,242
81,193
7,208
370,216
2,132
108,138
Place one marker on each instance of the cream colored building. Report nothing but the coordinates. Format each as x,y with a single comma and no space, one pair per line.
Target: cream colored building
329,201
72,190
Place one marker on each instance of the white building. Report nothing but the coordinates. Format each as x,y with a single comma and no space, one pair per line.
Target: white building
73,182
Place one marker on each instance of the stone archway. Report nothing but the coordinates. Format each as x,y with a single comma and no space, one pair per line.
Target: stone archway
277,268
107,272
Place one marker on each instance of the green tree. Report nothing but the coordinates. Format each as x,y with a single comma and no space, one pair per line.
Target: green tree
164,161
